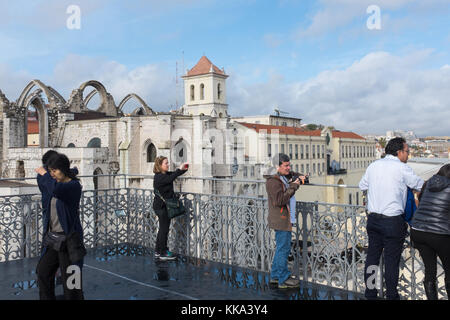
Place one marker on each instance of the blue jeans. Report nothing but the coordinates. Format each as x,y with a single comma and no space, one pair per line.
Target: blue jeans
388,234
280,269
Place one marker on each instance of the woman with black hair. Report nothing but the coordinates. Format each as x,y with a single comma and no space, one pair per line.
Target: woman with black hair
63,242
430,229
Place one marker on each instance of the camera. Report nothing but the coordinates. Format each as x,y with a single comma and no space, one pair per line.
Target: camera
292,177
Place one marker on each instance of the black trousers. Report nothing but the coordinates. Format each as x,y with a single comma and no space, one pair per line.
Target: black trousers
46,271
430,246
388,234
163,232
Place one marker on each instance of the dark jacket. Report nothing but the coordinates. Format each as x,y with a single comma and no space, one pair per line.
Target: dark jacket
278,202
46,201
433,213
163,182
68,197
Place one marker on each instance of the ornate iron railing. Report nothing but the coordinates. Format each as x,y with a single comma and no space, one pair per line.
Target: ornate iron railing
328,246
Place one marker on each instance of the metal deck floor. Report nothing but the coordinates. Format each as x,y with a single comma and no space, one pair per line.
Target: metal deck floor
131,273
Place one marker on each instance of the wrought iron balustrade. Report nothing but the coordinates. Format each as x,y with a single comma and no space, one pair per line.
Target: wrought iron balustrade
328,246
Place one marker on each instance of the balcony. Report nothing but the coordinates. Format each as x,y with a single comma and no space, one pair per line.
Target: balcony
224,245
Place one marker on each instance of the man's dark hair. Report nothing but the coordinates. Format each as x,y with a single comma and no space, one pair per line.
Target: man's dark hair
279,158
395,145
46,157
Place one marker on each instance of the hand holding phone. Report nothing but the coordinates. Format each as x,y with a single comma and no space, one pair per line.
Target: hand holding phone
184,166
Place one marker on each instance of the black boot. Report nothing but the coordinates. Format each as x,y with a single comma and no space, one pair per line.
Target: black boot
431,290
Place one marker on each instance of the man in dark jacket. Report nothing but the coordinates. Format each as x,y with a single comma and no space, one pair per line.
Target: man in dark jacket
430,229
281,202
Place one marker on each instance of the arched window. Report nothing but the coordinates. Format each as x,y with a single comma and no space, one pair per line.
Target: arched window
202,91
151,153
192,92
179,152
95,143
219,91
95,178
70,145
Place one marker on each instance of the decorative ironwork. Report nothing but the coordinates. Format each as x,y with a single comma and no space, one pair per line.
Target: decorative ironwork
329,242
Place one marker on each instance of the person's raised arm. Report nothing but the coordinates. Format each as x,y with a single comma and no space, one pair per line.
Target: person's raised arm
63,191
170,176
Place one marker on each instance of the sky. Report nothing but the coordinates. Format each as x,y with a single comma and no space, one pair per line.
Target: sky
330,62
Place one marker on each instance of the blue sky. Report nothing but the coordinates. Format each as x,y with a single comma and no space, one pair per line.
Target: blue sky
315,59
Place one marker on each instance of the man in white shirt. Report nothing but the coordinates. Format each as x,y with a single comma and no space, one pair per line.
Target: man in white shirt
386,181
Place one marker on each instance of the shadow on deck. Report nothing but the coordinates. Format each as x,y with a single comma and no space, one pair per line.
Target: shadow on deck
126,272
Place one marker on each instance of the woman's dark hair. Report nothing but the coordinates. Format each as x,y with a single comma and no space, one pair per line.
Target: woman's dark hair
445,171
61,162
395,145
47,156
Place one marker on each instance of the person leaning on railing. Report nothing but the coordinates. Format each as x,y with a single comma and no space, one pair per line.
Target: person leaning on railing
386,181
281,201
430,229
163,183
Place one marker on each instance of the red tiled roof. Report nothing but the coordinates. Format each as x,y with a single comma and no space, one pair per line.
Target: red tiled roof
299,131
33,127
346,135
281,129
203,66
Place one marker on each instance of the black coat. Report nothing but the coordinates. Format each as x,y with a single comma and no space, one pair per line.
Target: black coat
433,213
164,183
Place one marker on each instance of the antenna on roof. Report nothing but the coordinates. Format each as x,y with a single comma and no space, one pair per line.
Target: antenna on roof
278,111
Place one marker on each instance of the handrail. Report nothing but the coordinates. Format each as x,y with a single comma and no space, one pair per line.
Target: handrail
147,176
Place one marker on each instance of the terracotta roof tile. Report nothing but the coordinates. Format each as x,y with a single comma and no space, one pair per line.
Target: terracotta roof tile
347,135
203,66
281,129
299,131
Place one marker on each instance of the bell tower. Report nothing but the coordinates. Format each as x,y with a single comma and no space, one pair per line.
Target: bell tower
205,90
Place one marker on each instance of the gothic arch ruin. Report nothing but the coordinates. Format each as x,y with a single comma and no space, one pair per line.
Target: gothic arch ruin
77,103
146,110
55,100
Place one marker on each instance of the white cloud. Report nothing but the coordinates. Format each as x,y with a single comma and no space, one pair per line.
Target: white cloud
154,82
335,14
377,93
12,82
